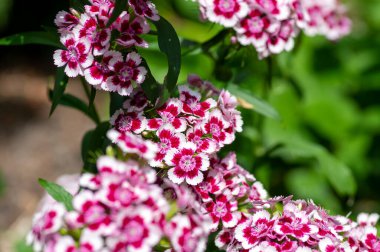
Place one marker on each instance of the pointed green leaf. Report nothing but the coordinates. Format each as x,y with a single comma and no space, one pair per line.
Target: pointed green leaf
38,38
71,101
150,86
120,6
169,44
58,193
254,103
60,84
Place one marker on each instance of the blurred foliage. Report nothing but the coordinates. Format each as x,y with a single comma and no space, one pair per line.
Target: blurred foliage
5,6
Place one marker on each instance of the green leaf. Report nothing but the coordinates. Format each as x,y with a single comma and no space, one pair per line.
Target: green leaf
92,97
94,141
60,84
150,86
253,102
338,174
164,96
120,6
58,193
37,38
169,44
76,103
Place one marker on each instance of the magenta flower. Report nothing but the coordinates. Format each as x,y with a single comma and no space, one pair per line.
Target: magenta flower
168,139
128,121
192,102
170,115
224,209
224,12
187,164
258,227
125,73
130,143
77,57
144,8
130,31
216,126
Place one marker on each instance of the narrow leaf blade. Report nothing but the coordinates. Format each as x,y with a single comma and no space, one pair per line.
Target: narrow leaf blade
170,45
58,193
71,101
37,38
255,103
60,84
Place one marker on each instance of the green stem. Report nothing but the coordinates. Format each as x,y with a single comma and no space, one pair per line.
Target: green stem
91,106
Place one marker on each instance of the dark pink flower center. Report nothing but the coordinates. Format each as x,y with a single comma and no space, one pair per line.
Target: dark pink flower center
187,163
226,5
134,231
220,209
255,25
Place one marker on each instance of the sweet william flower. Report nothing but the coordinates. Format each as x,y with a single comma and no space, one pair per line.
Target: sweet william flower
130,31
224,209
168,139
259,226
128,121
144,8
187,164
224,12
77,56
125,73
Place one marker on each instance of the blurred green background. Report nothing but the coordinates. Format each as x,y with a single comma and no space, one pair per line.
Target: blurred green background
326,147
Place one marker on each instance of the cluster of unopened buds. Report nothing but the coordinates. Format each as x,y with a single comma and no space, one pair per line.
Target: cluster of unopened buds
161,187
271,25
94,44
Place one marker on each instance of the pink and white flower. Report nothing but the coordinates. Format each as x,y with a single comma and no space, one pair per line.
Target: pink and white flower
130,143
295,223
130,31
125,73
188,165
224,208
224,12
259,226
204,143
192,102
66,21
128,121
168,139
94,30
77,56
144,8
98,73
216,126
170,115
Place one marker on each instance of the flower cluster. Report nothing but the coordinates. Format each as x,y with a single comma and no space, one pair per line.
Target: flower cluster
122,208
297,226
92,52
187,130
271,25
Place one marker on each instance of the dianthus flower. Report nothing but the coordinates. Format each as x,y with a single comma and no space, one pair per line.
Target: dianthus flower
187,130
91,52
271,25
